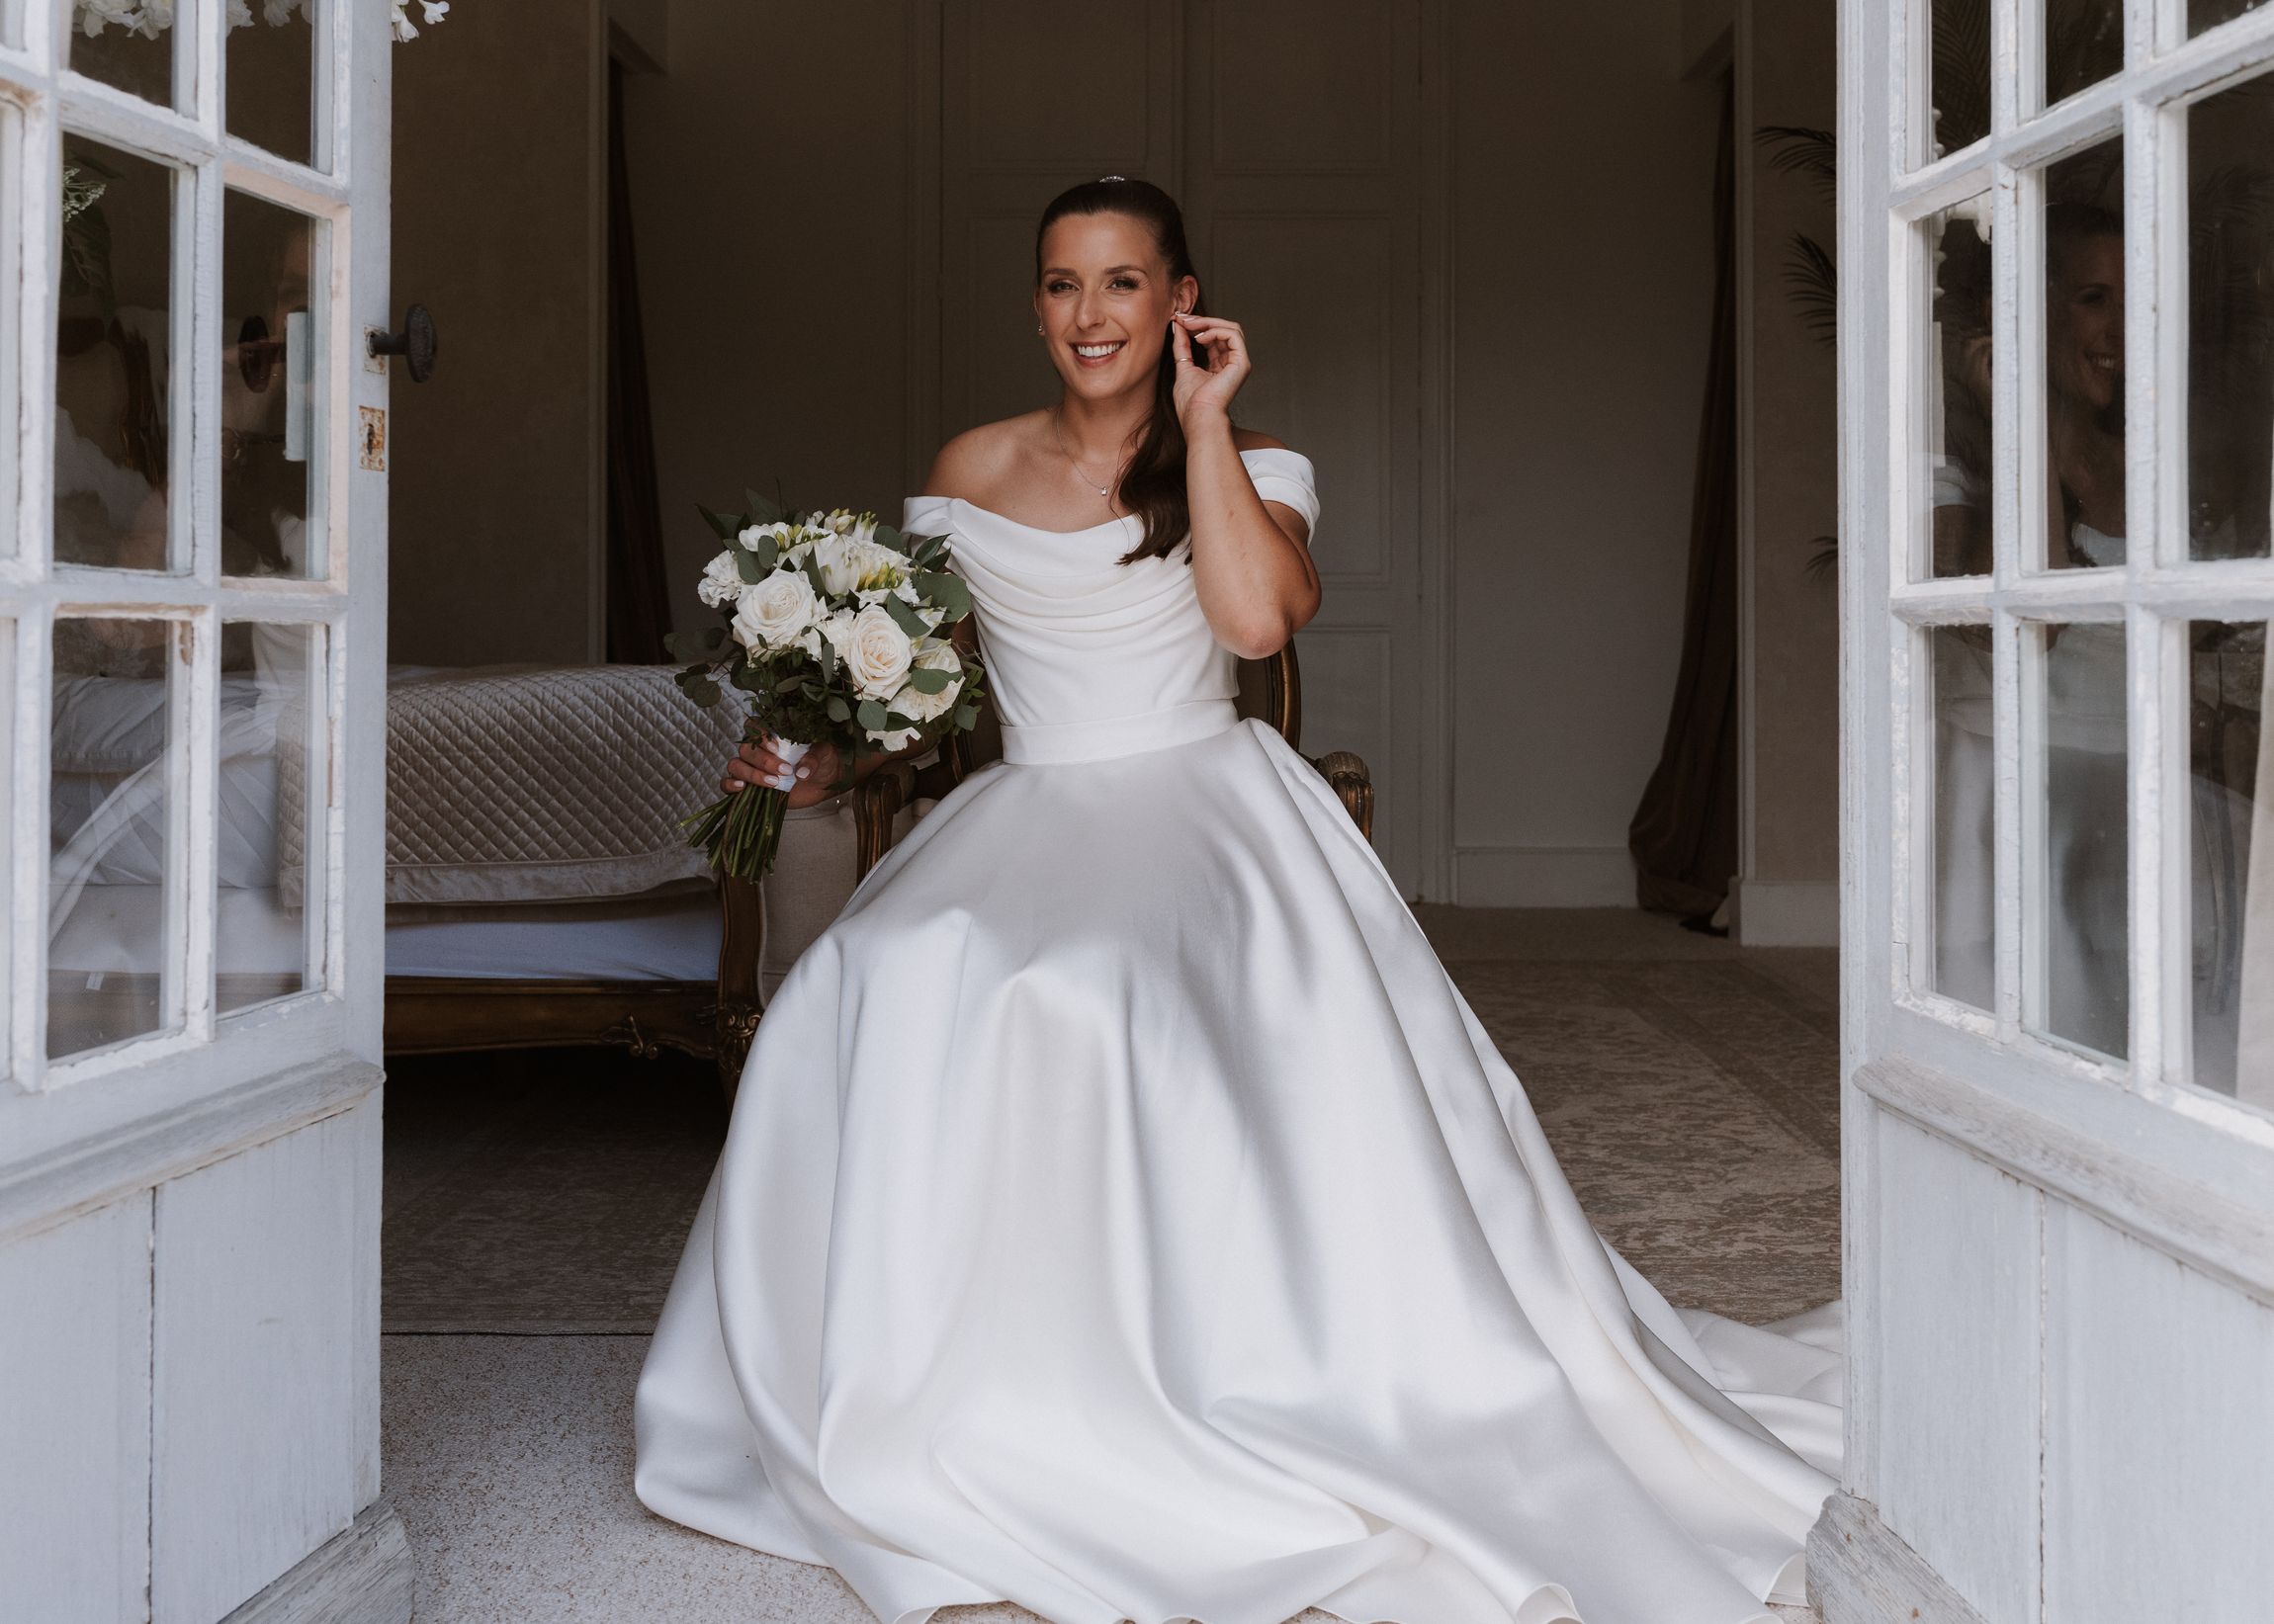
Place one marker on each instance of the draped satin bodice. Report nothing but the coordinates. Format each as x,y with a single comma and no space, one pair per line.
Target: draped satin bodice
1088,657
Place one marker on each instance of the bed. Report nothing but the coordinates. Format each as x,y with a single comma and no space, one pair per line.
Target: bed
539,889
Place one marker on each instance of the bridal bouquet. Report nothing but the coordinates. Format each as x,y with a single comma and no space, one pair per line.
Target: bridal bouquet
838,627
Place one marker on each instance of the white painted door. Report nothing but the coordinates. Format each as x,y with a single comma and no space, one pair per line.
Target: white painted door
2058,395
194,223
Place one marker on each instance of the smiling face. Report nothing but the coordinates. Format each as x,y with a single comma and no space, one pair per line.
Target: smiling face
1104,301
2084,320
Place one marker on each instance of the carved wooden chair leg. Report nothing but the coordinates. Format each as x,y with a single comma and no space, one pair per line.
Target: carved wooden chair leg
741,937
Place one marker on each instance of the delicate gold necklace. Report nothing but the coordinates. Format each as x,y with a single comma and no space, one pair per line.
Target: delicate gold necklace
1058,433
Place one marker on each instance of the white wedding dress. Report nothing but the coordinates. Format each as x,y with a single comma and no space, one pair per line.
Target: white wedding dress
1124,1216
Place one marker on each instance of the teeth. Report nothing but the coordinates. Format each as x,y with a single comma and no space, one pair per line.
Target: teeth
1094,351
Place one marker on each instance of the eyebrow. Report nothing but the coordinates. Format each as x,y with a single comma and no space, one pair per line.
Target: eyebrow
1110,270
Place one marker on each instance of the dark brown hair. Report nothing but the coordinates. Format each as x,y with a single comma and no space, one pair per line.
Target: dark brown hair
1153,485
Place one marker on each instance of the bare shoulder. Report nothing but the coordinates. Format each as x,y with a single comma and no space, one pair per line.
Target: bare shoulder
1256,440
976,460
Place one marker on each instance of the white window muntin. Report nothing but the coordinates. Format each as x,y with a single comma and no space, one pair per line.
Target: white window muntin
2155,593
40,101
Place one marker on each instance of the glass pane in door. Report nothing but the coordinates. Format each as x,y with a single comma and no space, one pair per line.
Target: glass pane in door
2230,320
2083,45
1964,900
2075,872
108,803
272,45
268,390
127,45
2081,424
270,862
2231,806
1958,76
2208,14
1951,503
113,384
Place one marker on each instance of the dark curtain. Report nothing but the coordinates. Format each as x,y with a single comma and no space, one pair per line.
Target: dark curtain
639,599
1684,836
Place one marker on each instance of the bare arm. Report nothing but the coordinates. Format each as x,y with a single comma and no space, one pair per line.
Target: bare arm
1251,563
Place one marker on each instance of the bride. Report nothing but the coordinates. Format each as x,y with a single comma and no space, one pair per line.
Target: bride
1123,1215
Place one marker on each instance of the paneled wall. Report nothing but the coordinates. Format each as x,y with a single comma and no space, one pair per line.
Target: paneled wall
1473,242
1302,197
495,482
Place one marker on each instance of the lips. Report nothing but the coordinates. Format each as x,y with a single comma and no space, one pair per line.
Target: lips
1098,355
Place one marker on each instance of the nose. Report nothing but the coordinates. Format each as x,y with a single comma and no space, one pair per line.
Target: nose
1086,311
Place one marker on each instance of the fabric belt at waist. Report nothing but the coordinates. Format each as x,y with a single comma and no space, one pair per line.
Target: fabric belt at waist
1101,740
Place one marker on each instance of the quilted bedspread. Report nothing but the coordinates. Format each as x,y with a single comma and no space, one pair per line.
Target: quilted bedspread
520,784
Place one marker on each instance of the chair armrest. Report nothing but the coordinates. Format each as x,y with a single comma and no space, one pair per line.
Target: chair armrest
1346,775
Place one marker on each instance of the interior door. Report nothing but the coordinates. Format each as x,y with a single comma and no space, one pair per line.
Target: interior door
2057,394
193,208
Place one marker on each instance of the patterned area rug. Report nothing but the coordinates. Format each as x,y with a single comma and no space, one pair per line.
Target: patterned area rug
1694,1103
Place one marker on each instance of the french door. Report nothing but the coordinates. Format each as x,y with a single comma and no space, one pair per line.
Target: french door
2057,400
193,444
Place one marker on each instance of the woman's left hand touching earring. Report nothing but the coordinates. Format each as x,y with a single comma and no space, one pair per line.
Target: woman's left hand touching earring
1206,392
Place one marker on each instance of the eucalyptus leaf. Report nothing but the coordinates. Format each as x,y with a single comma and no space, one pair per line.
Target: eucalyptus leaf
749,567
892,538
872,716
749,678
724,527
908,619
703,691
839,709
967,718
763,511
926,680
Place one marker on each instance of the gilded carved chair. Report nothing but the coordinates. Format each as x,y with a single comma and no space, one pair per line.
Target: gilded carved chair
1270,690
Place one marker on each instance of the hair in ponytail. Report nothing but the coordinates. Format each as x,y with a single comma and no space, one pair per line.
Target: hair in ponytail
1153,484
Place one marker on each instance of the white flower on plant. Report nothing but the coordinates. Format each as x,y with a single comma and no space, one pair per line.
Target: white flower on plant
892,739
722,581
838,562
773,611
436,10
918,706
878,653
753,535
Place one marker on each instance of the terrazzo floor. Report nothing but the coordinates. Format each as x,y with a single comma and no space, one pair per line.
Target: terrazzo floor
535,1205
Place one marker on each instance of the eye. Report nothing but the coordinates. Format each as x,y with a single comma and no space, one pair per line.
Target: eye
1058,287
1124,282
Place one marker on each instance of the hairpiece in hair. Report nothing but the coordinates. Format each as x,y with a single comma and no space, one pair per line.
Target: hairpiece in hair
1102,179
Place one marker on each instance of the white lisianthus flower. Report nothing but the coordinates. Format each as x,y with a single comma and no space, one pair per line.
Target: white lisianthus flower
842,561
773,611
896,739
922,707
878,654
753,535
722,581
881,566
436,10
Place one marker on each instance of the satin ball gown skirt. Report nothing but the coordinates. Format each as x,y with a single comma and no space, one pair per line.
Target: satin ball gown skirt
1123,1215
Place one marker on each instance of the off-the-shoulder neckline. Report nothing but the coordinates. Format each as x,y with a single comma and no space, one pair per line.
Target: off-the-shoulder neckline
1106,524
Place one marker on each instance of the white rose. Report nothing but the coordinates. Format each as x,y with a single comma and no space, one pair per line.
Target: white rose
921,706
878,653
773,611
722,581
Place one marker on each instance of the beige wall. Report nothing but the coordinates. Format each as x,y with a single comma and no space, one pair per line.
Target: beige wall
1789,856
769,185
1582,288
495,477
1583,275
